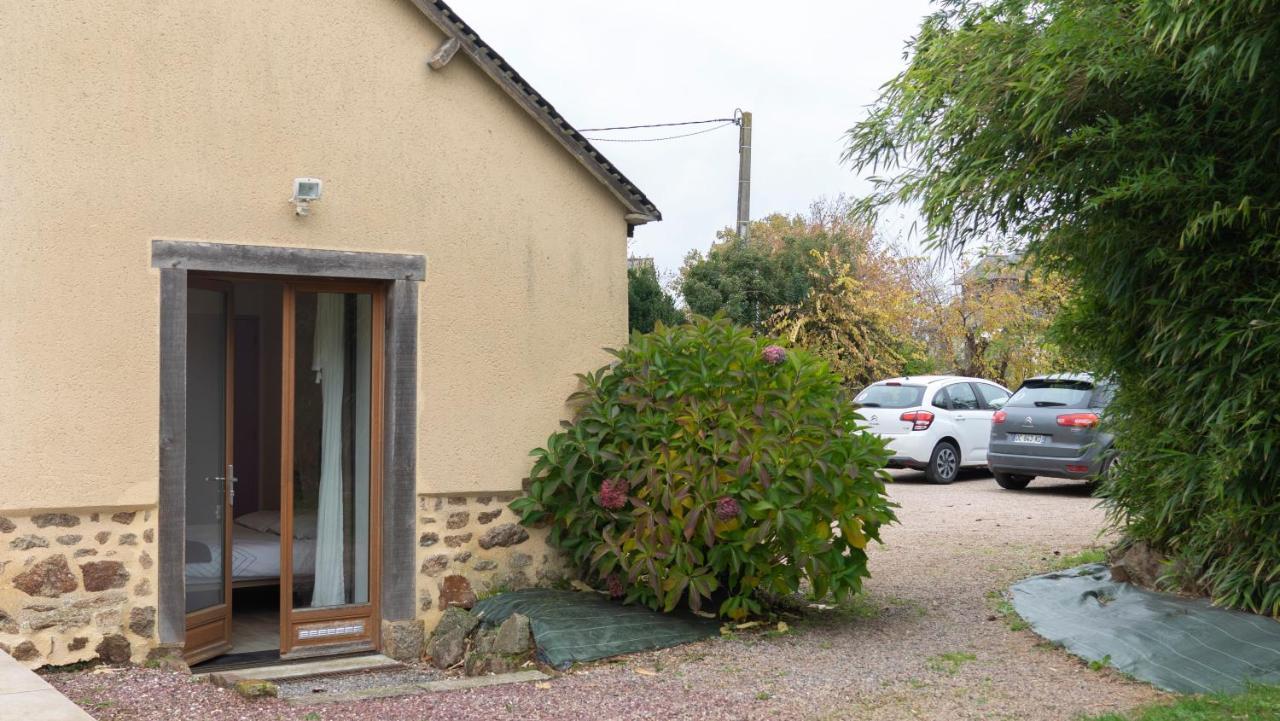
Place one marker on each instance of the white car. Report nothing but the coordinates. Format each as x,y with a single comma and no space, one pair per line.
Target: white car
938,424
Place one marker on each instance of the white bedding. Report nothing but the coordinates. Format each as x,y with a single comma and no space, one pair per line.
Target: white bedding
254,555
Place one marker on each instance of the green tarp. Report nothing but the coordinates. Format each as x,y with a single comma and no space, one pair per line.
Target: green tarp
572,627
1175,643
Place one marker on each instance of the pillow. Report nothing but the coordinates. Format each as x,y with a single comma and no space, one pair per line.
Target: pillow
304,524
261,521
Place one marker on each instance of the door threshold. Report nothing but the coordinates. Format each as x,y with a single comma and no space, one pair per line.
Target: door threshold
277,669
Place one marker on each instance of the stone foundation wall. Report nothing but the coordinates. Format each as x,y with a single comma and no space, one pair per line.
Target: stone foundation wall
80,585
473,546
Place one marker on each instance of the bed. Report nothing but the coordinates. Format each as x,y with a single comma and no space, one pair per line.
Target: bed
255,555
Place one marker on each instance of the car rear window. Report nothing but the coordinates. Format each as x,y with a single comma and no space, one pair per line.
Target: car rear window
1052,393
882,395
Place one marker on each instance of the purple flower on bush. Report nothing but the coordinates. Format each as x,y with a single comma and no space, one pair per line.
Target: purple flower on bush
774,354
727,508
613,494
614,584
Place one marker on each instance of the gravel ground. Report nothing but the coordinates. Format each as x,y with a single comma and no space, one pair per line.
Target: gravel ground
927,643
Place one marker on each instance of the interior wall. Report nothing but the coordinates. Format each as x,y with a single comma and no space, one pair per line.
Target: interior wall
126,122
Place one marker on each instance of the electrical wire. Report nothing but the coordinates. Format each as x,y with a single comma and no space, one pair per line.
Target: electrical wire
658,125
668,137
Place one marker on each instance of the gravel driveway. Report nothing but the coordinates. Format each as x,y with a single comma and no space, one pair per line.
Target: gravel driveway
926,644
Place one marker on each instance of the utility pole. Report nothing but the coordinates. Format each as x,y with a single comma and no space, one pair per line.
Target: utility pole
744,174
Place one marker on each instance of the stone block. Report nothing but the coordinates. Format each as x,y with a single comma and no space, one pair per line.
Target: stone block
114,648
28,542
49,578
508,534
103,575
403,640
61,520
456,591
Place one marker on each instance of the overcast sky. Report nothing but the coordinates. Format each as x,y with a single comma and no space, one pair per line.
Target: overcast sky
805,69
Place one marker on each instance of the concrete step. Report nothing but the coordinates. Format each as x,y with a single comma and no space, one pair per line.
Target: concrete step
26,696
301,669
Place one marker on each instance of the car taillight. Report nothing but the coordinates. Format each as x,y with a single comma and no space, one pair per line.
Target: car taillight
919,420
1078,420
999,417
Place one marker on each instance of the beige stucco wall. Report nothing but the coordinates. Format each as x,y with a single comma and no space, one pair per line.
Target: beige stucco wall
121,122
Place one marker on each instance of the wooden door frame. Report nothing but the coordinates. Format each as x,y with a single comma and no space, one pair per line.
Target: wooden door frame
207,618
401,274
293,622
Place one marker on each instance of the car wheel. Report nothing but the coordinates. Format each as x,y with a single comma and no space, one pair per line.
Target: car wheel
1012,482
944,463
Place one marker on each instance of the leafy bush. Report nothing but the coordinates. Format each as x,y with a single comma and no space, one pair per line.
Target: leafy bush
1131,145
705,465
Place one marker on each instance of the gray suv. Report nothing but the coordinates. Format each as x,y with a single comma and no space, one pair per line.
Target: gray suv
1050,428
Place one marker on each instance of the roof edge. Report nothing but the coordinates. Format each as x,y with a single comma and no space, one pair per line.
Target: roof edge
640,209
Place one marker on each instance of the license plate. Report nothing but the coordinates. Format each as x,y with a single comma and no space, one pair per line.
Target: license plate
1027,438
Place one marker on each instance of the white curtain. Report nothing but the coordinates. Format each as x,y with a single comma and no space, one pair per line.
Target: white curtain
328,364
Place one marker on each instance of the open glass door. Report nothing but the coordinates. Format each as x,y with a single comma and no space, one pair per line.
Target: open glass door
331,467
209,472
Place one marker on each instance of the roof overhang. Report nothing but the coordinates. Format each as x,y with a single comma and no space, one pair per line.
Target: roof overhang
640,209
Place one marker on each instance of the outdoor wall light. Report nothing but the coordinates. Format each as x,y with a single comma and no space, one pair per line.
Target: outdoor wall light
305,192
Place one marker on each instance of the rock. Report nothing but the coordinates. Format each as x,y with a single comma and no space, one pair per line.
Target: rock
78,643
125,517
456,591
61,520
462,557
102,575
114,648
28,542
520,560
6,526
456,619
489,516
447,650
403,640
457,500
457,519
25,651
1138,564
49,578
254,688
144,560
82,552
167,657
142,621
149,535
143,588
513,636
428,540
457,541
485,564
435,565
512,581
128,539
479,664
102,536
425,602
508,534
70,539
7,624
449,640
63,617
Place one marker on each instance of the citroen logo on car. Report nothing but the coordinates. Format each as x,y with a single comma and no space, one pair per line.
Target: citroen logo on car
875,419
1028,422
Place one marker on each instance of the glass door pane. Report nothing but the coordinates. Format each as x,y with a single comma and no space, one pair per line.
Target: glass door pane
207,346
331,448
